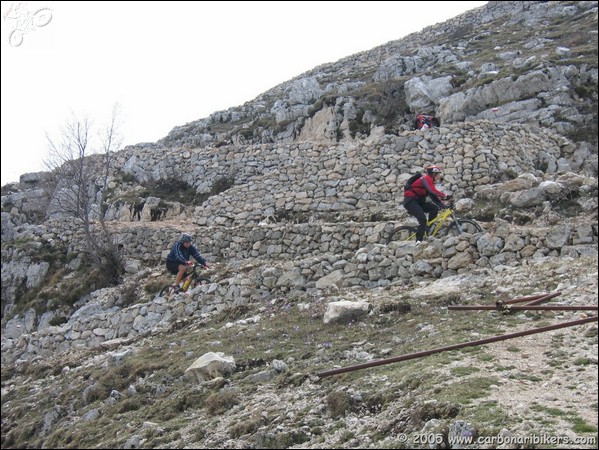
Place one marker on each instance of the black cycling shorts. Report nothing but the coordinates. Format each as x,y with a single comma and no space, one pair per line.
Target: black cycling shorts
173,267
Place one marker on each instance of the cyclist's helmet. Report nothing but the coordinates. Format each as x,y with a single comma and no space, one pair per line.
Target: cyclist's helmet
186,237
431,170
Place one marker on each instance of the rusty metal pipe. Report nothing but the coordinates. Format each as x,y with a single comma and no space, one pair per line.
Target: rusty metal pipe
409,356
521,308
544,299
529,298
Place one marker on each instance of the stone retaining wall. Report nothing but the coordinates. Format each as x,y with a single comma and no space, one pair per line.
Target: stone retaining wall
272,179
299,260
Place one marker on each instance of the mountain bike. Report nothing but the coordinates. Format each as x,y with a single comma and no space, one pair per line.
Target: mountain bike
446,223
191,279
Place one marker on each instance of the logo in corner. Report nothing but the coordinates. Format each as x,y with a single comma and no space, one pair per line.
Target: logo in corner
22,21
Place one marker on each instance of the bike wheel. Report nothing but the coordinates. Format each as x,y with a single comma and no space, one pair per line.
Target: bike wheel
168,291
467,226
403,233
200,281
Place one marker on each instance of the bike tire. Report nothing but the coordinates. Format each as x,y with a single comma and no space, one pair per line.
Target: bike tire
467,226
201,281
403,233
164,292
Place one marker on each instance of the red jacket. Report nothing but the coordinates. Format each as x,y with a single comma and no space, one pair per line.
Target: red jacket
423,186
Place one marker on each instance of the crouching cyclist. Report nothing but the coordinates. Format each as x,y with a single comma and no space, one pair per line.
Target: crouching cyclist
178,258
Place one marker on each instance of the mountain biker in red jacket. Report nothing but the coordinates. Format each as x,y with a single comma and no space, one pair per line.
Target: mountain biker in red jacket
178,259
415,198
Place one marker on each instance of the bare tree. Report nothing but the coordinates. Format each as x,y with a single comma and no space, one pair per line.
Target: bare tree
110,140
81,174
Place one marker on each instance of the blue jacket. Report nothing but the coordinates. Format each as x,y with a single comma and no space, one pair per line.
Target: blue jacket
180,255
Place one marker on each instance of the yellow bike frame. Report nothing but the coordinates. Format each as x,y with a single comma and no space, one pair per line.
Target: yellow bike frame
437,226
439,221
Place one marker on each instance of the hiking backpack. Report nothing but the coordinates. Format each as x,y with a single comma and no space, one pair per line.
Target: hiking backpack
411,180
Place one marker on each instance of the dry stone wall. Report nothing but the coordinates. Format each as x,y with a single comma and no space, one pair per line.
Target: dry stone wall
349,176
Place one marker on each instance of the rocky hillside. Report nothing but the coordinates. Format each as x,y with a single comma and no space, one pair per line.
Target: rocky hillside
523,62
136,392
293,199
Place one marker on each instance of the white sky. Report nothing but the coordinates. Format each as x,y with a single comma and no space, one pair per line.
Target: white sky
167,64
